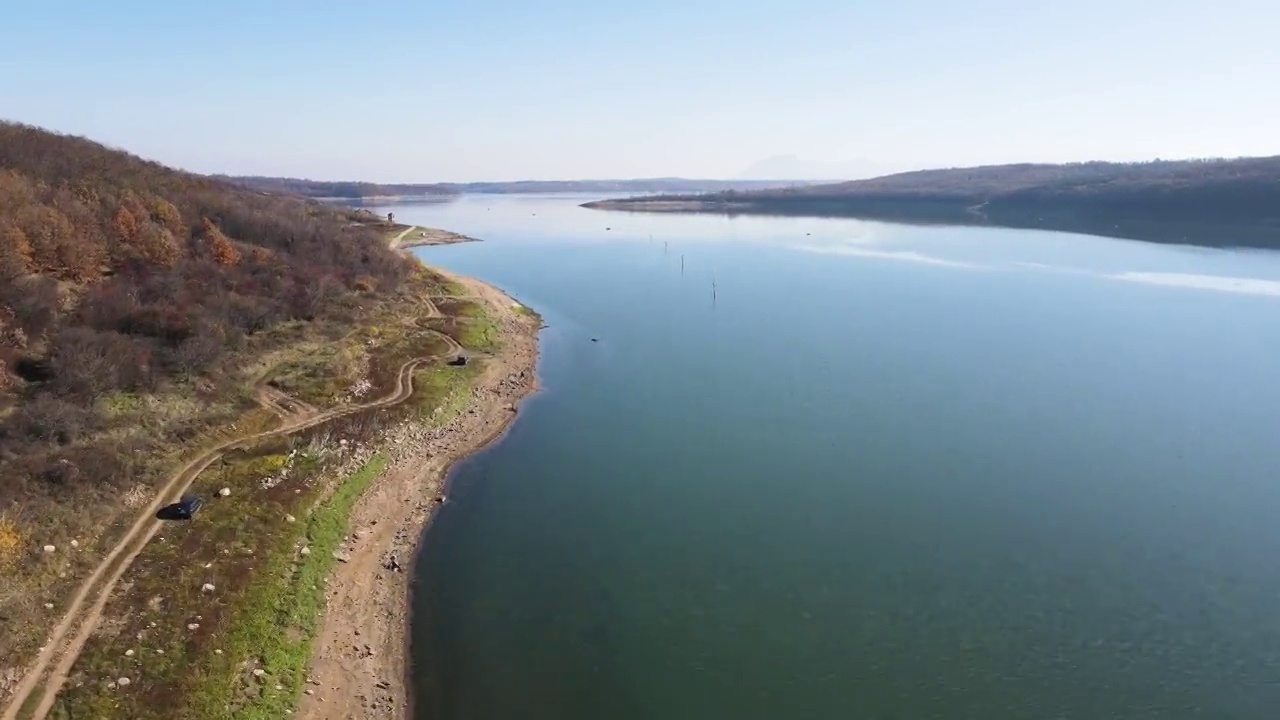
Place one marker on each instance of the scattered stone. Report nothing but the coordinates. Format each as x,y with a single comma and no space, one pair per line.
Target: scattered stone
75,544
208,565
341,557
128,653
224,492
193,626
159,651
48,606
259,672
279,687
217,652
111,685
123,682
207,587
305,551
50,548
290,518
309,691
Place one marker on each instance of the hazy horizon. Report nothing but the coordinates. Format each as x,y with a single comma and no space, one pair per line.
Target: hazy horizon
394,92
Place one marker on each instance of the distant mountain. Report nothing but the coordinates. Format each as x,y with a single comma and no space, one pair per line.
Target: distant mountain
352,190
790,166
1160,200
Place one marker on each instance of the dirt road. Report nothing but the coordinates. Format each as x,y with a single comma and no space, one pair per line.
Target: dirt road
57,656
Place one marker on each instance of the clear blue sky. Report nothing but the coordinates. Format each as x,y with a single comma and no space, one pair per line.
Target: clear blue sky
393,90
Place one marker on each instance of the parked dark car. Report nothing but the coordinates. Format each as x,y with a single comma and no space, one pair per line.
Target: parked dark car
184,509
189,505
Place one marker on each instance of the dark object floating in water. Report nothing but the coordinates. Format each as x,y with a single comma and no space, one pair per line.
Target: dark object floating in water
458,361
595,340
608,228
184,509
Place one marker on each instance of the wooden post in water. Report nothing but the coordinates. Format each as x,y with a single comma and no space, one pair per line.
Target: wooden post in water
681,266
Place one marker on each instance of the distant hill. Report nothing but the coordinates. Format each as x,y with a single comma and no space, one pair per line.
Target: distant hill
325,189
1122,199
364,190
790,166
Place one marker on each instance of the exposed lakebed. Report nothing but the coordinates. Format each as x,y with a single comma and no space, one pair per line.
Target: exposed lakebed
885,472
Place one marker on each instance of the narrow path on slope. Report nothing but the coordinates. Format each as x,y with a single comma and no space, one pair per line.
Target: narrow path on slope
145,527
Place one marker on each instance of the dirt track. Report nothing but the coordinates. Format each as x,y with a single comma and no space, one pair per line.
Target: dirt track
62,655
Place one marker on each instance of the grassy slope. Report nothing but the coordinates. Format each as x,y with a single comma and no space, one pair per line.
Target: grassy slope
268,593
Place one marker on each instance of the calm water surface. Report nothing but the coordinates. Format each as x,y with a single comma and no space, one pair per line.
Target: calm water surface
885,472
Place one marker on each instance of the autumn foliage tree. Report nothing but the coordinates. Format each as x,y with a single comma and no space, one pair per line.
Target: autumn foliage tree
221,249
125,225
15,251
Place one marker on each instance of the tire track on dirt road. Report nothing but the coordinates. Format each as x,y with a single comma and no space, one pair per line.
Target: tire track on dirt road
141,532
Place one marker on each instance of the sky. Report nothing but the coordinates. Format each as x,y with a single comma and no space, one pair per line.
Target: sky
411,91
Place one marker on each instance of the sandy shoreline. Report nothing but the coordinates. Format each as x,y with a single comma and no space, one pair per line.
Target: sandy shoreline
359,660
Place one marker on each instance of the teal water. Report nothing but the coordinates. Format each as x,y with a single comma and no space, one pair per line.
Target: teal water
887,472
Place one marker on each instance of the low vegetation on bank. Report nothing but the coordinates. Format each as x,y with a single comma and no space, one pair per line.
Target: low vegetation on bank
216,617
147,315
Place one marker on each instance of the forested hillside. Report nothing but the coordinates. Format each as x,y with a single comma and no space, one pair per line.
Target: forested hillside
345,190
120,278
1195,197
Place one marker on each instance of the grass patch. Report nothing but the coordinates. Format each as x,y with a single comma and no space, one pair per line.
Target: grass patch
455,288
460,308
481,334
283,617
440,392
527,311
321,377
119,403
11,542
264,612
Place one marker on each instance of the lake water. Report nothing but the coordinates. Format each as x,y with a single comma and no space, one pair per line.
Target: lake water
883,471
